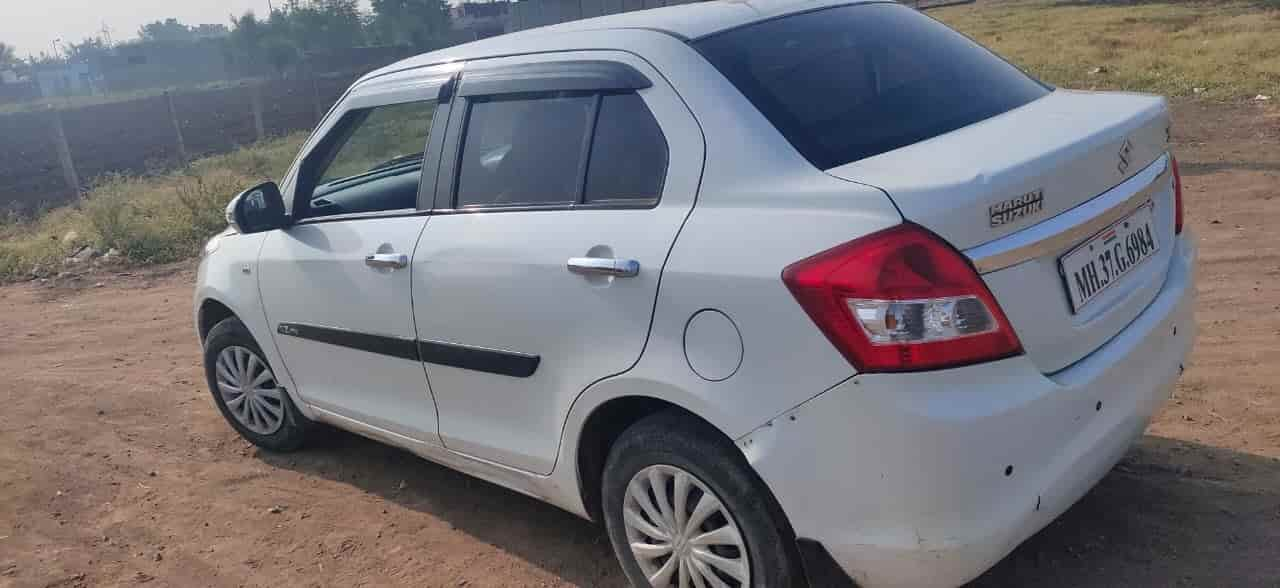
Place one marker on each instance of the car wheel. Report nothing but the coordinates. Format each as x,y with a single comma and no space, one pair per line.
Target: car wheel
683,509
246,391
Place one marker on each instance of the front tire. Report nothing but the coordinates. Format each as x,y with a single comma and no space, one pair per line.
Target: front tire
246,392
683,509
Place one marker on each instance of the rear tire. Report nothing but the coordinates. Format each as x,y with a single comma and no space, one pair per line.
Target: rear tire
246,392
741,536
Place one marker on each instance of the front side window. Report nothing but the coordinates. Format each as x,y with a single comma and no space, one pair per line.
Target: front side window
560,149
374,162
846,83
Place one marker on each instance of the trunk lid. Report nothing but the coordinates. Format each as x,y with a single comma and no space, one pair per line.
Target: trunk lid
1019,190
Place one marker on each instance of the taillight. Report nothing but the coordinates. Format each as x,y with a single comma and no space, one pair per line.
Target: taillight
901,300
1177,197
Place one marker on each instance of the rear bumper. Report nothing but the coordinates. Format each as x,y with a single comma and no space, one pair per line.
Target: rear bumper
928,479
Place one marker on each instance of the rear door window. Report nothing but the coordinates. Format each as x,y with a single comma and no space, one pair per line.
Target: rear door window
524,150
846,83
560,149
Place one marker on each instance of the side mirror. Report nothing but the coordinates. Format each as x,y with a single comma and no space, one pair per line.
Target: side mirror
260,208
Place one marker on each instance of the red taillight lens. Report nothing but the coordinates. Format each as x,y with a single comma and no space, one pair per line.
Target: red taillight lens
1177,197
901,300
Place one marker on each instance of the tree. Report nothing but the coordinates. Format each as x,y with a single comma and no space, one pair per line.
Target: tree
280,53
292,30
90,50
210,31
167,30
422,24
8,55
246,42
317,25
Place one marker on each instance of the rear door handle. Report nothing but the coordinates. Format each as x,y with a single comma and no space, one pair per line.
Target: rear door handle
387,260
604,266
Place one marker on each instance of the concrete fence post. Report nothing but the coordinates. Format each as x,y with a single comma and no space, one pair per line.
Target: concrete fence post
255,99
177,127
64,152
315,97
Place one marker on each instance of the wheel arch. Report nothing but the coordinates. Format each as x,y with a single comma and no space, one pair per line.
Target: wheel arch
606,422
211,312
601,428
214,305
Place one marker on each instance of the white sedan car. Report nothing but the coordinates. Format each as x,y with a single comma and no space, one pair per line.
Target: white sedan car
783,293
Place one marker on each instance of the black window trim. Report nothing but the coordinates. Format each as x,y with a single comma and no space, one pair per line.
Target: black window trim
587,75
451,159
354,216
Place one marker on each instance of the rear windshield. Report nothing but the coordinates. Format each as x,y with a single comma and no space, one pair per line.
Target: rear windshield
850,82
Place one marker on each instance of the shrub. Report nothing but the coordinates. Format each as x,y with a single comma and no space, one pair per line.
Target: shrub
151,219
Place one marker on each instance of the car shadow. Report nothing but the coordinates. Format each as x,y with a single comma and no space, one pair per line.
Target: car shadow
562,544
1172,513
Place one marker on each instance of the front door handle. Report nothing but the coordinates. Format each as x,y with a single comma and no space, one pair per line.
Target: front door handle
618,268
387,260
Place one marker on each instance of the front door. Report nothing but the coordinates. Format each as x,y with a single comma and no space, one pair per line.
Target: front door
336,285
538,271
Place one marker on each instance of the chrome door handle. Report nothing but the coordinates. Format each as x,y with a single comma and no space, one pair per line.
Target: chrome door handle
619,268
387,260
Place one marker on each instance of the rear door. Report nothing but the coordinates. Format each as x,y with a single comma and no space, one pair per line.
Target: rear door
571,176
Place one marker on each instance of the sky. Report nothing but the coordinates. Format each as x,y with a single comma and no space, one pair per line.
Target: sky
31,25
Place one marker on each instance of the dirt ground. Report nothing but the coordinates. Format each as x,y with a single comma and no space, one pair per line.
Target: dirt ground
115,468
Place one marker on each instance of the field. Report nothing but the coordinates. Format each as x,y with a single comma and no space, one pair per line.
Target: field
151,219
1216,50
136,136
118,470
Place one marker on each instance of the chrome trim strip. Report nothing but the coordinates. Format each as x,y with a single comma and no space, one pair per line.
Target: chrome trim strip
1072,226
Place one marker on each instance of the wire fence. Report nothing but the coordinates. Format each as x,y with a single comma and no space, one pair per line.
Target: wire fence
47,158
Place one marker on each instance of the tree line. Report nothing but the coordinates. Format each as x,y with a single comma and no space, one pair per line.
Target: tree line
289,32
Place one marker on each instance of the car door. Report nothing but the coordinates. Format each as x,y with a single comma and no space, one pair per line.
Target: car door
336,284
564,182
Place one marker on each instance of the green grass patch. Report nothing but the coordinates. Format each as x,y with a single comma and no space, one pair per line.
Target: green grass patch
1228,50
149,219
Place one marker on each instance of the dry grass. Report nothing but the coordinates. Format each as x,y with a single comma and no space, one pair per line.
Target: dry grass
1230,50
148,219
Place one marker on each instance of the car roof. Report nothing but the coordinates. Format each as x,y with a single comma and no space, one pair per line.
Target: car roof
685,21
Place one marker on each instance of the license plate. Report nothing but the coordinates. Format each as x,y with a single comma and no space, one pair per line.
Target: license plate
1105,258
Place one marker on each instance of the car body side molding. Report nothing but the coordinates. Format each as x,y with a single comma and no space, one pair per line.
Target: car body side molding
494,361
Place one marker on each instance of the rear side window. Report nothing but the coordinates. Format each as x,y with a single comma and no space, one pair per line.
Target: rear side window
628,154
560,149
847,83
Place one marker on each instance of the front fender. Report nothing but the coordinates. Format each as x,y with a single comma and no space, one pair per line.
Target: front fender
228,274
